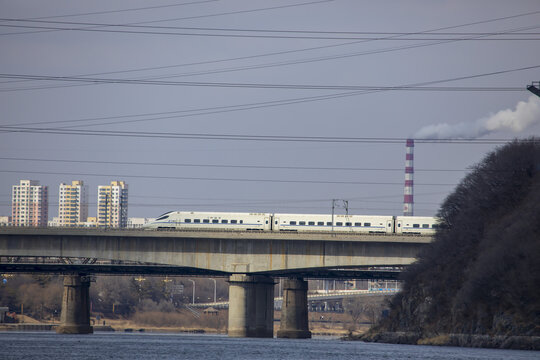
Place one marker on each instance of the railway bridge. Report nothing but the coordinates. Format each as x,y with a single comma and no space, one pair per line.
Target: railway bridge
251,260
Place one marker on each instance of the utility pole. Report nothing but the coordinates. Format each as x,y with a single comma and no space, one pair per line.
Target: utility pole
193,292
534,88
214,280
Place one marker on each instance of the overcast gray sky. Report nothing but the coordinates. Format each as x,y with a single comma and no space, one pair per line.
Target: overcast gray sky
115,90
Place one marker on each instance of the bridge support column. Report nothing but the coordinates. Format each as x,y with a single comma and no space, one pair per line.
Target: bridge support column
75,316
294,311
251,306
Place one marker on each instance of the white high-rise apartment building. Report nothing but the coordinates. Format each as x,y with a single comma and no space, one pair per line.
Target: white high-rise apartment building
113,205
29,204
72,204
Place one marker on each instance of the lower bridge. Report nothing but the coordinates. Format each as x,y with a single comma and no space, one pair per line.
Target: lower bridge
250,260
332,295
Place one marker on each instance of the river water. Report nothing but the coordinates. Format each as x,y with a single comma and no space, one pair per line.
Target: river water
117,346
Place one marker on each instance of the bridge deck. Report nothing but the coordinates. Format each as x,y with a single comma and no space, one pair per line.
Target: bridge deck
225,252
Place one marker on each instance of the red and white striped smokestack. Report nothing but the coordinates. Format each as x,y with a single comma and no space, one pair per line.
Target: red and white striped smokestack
408,198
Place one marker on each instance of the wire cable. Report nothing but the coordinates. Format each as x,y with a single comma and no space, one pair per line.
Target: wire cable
162,177
201,16
258,86
292,51
351,35
243,107
267,138
299,168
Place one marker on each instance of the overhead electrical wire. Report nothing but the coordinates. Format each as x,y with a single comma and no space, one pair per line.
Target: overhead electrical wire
286,52
375,198
242,68
259,85
254,33
204,16
299,168
242,107
176,206
234,137
163,177
123,10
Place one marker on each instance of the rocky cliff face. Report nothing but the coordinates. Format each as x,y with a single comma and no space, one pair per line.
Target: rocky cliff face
482,273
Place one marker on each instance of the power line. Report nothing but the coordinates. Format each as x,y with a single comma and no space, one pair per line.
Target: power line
278,31
203,16
298,50
250,106
166,30
374,198
257,86
268,138
300,168
122,10
161,177
227,207
251,67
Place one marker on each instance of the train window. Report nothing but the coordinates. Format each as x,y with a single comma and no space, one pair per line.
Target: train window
367,224
320,223
425,226
162,218
197,221
224,221
206,221
301,223
415,225
241,221
234,221
267,222
348,224
329,223
339,223
311,223
187,220
435,226
292,223
357,224
215,221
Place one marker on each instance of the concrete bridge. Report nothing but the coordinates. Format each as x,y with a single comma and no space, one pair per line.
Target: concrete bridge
251,259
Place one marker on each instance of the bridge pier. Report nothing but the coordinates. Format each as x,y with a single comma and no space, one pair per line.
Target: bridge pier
294,311
251,306
75,316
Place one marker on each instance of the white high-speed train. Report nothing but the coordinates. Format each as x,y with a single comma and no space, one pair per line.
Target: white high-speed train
368,224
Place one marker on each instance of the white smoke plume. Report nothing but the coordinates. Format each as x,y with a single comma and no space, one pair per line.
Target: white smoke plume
525,114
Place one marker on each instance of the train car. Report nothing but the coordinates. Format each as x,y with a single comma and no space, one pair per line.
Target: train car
420,225
185,220
367,224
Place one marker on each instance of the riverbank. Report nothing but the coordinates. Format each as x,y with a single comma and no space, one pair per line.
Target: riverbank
318,328
461,340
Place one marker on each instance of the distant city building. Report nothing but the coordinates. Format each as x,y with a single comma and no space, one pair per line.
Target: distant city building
72,203
29,204
91,221
55,222
134,223
113,205
5,220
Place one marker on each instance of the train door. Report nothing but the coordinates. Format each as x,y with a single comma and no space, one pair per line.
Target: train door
390,226
399,226
267,223
275,224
